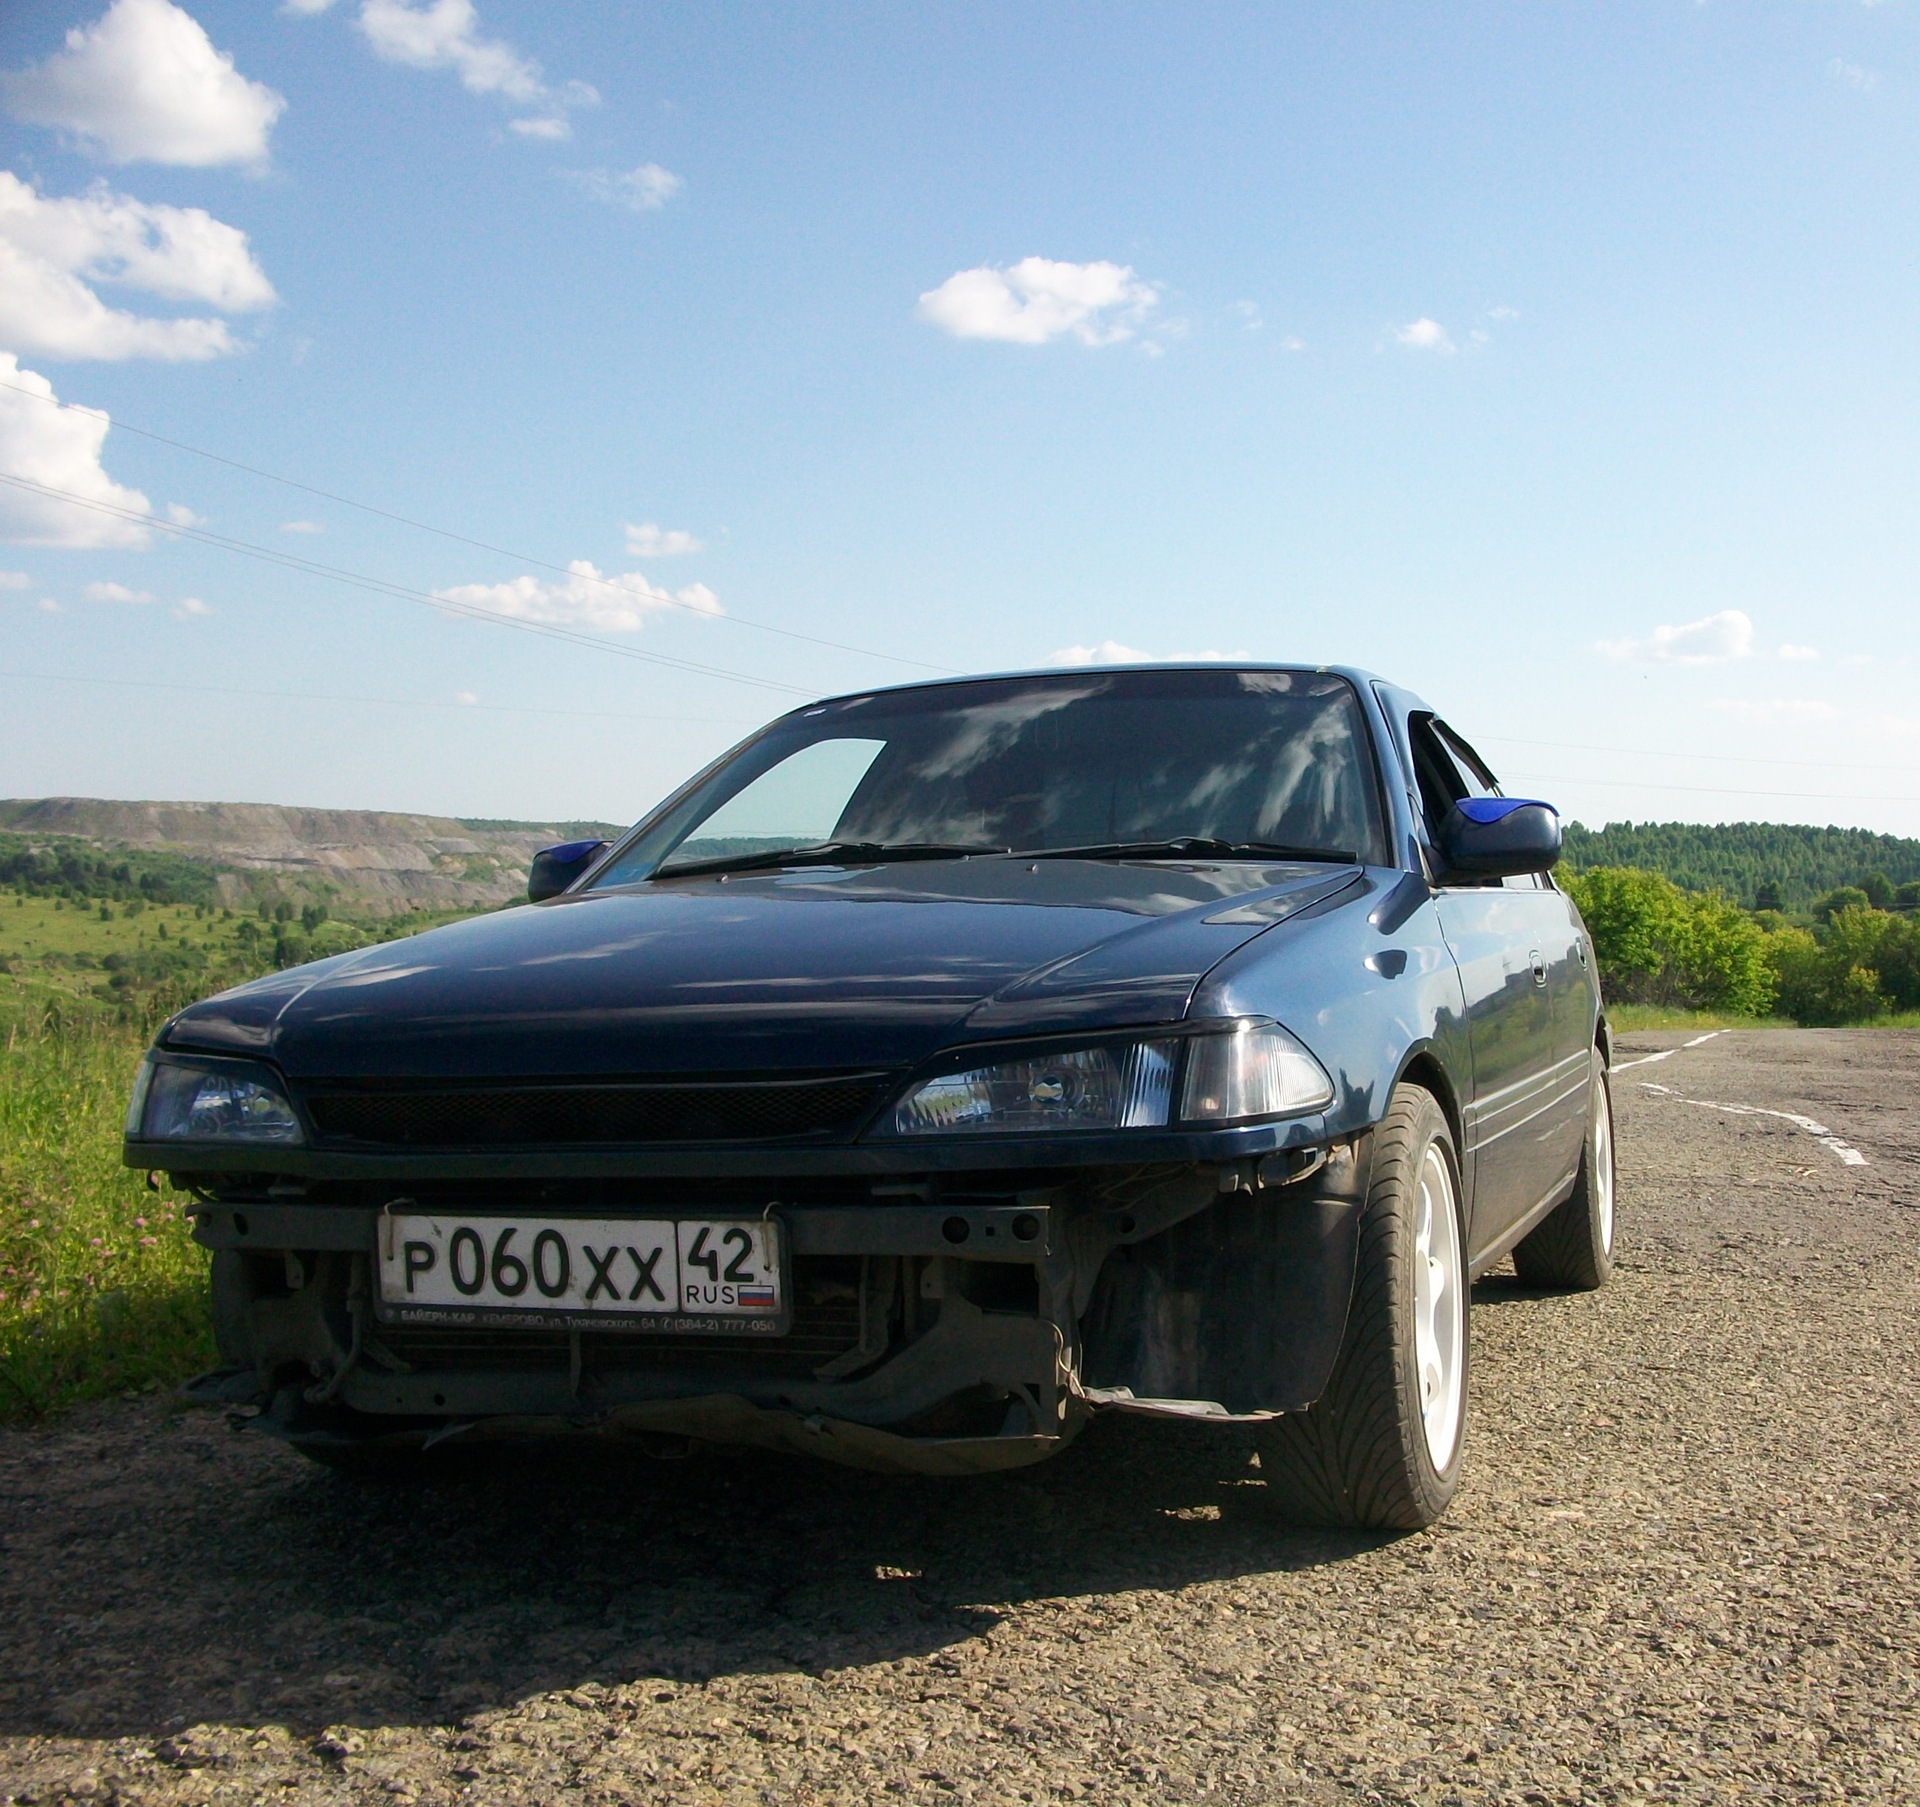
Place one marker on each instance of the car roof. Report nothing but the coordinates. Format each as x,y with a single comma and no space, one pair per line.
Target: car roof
1352,673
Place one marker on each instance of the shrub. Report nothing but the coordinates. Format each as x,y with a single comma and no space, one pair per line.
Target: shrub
1845,897
1823,982
1659,945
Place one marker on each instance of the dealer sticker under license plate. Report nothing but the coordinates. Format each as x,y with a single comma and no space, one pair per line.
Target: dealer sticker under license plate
689,1274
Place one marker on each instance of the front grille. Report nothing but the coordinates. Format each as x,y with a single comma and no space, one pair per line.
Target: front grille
754,1110
826,1323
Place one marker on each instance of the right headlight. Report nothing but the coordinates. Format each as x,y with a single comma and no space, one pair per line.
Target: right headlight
1240,1074
177,1103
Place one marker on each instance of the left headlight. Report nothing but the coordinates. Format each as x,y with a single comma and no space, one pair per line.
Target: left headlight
209,1104
1241,1074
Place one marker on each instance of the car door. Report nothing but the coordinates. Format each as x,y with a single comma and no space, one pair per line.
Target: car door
1514,944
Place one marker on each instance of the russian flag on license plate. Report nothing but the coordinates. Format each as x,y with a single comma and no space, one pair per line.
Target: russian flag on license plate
751,1296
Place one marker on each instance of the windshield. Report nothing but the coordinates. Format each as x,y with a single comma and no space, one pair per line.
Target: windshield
1273,762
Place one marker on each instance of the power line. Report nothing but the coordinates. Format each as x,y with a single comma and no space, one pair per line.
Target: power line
252,470
380,586
382,702
1573,746
1704,790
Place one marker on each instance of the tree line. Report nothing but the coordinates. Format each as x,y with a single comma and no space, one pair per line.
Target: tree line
1763,865
74,870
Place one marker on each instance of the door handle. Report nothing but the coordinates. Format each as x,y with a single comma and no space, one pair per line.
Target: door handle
1539,967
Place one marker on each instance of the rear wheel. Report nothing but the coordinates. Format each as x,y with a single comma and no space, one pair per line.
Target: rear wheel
1572,1246
1380,1449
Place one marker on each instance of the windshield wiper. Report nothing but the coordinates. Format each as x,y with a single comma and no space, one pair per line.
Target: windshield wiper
826,853
1192,846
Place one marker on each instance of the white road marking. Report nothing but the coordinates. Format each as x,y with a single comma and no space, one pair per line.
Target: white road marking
1852,1157
1647,1060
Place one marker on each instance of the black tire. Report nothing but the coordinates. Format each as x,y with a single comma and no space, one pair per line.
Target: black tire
1360,1455
1572,1246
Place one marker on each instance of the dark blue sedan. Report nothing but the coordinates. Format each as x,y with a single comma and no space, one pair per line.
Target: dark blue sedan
939,1067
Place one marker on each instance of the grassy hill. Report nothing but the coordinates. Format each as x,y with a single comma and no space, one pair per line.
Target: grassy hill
238,855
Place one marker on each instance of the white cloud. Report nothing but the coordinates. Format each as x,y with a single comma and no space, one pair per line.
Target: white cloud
466,698
47,606
1727,635
1424,335
59,447
112,592
15,580
191,608
51,250
445,34
1111,652
1776,711
306,8
649,540
1852,75
1036,299
1250,316
586,598
1503,313
1108,652
640,190
1790,651
183,516
1293,342
143,84
300,527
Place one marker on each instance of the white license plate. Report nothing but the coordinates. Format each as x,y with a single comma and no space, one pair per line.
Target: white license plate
694,1274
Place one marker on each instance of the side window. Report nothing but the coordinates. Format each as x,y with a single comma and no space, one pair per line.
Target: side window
1442,782
1449,769
1480,782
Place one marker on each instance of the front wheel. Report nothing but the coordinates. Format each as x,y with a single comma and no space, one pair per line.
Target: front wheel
1381,1447
1572,1245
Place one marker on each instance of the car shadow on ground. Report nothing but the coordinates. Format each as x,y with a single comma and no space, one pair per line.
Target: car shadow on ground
313,1599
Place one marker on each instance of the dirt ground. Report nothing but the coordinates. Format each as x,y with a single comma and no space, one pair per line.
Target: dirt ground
1682,1566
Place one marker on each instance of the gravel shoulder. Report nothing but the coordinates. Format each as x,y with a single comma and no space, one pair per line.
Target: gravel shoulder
1682,1566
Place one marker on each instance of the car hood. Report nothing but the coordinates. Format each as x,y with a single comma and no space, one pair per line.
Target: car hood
822,968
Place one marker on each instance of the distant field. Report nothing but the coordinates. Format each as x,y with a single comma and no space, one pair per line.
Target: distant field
140,960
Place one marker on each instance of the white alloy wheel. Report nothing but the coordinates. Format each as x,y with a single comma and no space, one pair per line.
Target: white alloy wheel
1381,1446
1439,1308
1572,1246
1602,1157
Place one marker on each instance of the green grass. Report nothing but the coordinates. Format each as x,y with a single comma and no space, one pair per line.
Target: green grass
1630,1019
141,960
101,1290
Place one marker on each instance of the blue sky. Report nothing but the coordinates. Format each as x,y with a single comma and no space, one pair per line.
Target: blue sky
1560,364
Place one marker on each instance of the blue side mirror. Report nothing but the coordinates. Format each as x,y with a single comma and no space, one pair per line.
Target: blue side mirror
1499,837
555,868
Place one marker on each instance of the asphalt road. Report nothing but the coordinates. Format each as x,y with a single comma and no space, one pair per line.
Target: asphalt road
1682,1567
